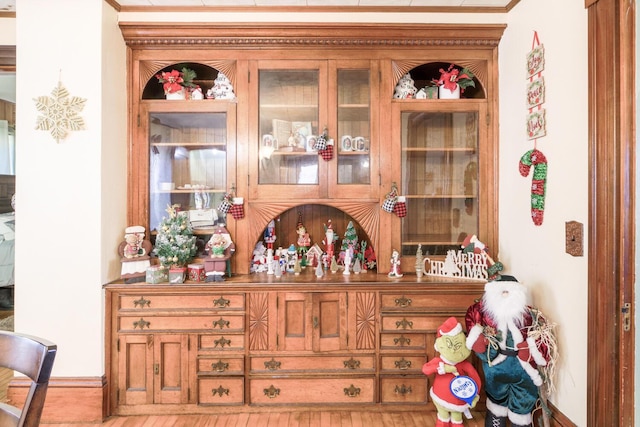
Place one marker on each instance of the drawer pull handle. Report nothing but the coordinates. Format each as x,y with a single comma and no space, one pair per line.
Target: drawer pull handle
220,323
403,302
141,302
403,364
141,324
404,324
402,341
220,366
220,391
272,365
352,391
351,363
272,392
315,322
222,342
403,389
221,302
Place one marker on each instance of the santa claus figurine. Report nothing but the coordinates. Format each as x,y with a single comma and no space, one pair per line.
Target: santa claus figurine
508,337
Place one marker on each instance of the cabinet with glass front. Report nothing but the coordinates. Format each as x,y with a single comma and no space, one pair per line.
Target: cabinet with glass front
315,129
189,148
443,163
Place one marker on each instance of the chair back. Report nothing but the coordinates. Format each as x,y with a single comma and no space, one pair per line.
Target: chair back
33,357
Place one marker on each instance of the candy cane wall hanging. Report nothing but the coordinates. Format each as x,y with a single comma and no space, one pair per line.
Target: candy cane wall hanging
536,128
536,159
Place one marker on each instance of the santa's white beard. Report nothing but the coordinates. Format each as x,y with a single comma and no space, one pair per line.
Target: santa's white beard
505,302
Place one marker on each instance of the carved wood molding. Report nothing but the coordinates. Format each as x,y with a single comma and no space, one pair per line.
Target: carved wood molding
365,320
316,35
367,215
150,68
478,67
258,321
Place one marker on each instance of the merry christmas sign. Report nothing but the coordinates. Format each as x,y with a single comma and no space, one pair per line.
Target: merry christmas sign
461,265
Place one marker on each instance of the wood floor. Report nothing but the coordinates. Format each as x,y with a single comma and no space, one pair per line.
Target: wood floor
283,419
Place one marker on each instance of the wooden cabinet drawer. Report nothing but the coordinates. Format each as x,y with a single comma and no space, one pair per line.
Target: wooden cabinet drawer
402,363
412,322
221,391
180,301
151,322
220,365
442,301
221,342
279,391
402,341
347,364
403,389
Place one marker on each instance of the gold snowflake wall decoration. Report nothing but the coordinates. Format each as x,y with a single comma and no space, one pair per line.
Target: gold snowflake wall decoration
59,113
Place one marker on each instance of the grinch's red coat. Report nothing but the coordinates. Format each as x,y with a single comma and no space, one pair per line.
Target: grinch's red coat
441,390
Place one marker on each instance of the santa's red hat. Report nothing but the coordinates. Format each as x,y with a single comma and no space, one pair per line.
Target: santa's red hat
451,327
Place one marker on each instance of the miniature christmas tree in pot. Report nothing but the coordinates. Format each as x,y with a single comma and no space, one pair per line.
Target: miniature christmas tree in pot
175,244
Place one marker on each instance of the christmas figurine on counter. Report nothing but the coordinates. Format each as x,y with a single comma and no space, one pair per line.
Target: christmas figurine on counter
270,234
517,349
134,254
304,241
329,239
219,249
456,386
395,265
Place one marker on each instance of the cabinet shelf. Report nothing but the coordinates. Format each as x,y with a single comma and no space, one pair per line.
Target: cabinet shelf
190,144
469,150
190,191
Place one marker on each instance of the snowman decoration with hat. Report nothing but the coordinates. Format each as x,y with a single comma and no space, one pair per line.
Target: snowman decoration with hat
516,347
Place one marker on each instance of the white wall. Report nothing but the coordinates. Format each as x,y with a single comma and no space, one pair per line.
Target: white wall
536,254
70,195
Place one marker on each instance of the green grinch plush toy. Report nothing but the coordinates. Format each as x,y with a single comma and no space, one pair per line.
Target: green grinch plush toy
456,386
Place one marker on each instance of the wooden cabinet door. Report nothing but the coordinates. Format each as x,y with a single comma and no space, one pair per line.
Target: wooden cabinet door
135,369
329,321
314,321
153,369
171,369
294,321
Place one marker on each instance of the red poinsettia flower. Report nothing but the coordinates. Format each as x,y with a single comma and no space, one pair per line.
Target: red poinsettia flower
455,77
171,81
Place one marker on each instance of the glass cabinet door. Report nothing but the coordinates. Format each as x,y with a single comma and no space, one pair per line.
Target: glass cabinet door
354,102
289,124
440,179
188,161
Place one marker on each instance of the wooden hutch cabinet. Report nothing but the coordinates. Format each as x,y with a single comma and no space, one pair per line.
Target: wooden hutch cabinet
257,340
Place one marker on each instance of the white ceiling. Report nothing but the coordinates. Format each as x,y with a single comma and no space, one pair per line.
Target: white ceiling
10,5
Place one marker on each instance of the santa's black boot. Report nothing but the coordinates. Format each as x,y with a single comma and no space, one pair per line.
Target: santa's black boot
492,420
521,425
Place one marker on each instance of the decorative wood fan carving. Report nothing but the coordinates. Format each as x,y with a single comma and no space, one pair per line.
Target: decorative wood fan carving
149,69
479,68
258,321
365,320
366,214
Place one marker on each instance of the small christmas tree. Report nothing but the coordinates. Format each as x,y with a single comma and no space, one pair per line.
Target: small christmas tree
350,237
175,242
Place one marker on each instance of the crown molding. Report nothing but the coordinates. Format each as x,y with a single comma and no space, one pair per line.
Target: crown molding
317,35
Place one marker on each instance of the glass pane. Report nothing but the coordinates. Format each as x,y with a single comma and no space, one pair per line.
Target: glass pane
187,162
440,180
353,127
288,127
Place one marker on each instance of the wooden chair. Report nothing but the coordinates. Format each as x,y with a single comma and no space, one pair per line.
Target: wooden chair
33,357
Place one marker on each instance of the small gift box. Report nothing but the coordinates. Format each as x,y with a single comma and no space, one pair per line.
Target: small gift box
237,209
177,275
196,272
156,274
